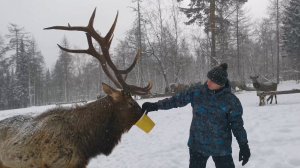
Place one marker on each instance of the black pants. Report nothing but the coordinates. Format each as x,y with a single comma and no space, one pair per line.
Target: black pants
197,160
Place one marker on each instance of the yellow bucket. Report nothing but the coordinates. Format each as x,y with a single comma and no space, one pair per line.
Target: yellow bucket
145,123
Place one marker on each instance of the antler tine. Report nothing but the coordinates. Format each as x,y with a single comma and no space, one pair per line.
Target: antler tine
110,76
72,50
130,68
87,51
88,29
71,28
141,91
131,88
92,18
109,35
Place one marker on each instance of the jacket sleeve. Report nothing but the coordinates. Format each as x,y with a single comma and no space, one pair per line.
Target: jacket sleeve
236,122
179,100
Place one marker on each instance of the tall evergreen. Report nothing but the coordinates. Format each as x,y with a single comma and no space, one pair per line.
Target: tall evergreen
4,75
16,33
210,14
47,87
36,74
62,74
57,82
21,87
291,33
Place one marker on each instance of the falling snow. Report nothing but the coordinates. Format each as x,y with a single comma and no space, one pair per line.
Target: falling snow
273,132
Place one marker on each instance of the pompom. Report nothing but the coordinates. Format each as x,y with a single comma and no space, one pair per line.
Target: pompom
224,66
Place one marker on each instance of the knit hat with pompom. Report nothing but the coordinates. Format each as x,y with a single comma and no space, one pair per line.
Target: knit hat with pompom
219,74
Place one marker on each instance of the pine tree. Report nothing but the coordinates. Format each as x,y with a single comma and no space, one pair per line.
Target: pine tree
16,33
291,33
58,84
209,13
4,75
21,87
47,89
18,67
62,74
36,74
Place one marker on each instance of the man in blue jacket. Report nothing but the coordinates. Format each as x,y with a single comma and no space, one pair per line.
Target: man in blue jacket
216,113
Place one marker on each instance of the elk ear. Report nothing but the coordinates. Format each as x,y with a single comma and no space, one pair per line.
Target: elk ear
113,93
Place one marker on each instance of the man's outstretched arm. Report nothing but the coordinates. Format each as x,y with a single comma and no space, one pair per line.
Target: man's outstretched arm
179,100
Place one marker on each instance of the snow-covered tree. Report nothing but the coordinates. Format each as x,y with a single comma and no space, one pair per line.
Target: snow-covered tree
36,73
210,14
21,87
4,75
62,74
291,34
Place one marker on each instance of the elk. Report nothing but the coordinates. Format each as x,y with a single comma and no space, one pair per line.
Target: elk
265,86
70,137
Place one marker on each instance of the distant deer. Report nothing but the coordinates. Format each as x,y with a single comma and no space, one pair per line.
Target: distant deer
70,137
265,86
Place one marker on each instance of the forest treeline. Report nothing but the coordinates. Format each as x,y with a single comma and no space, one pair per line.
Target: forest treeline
178,45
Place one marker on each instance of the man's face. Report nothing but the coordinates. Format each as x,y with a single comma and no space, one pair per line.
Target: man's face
212,85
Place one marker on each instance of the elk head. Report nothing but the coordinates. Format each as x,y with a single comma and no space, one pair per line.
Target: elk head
124,105
254,78
255,82
121,97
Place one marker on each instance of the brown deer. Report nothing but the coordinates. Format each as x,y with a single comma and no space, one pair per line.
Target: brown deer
70,137
265,86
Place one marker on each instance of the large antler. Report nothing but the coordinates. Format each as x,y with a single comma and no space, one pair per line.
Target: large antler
104,58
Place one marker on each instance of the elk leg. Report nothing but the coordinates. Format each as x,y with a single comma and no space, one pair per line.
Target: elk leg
276,98
270,97
262,100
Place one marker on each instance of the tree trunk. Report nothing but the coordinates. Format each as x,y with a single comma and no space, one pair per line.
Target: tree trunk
277,34
213,32
141,73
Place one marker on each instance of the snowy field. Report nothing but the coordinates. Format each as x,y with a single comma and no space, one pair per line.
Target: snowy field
273,134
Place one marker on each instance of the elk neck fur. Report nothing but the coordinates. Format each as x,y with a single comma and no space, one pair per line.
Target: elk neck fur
96,127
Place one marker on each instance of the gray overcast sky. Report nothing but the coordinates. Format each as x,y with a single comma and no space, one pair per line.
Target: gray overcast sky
34,15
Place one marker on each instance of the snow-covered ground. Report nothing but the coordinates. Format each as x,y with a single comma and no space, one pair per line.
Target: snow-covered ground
273,133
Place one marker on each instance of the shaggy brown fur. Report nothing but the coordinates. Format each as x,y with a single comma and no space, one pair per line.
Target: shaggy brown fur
67,137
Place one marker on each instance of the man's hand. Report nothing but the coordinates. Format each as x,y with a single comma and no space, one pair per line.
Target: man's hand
147,107
244,153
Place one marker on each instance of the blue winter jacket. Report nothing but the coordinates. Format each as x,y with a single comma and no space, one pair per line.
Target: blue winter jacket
215,115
